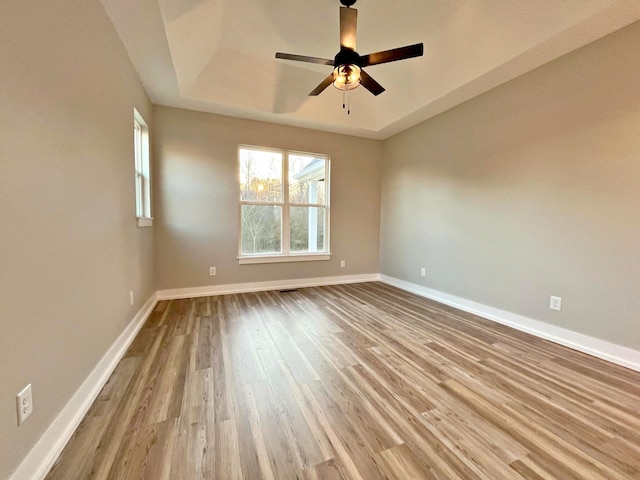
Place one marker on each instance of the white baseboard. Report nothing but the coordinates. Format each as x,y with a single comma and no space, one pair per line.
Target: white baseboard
624,356
43,455
210,290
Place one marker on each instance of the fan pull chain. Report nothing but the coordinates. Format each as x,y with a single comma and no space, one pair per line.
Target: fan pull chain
346,101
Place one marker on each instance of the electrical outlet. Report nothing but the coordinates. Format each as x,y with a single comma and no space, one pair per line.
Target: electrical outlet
24,404
343,264
212,271
555,303
131,297
423,272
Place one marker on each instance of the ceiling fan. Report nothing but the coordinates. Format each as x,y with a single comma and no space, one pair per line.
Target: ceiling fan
348,65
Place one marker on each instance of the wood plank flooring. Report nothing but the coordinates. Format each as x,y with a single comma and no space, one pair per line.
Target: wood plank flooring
359,381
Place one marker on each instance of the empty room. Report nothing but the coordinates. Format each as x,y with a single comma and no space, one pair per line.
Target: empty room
328,239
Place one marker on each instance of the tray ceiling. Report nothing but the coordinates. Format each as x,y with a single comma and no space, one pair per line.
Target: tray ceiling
218,55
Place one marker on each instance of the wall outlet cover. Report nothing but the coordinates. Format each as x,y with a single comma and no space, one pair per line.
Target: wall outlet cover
24,404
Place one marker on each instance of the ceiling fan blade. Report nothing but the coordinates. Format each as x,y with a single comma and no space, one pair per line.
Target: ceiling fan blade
304,58
392,55
348,24
370,84
325,83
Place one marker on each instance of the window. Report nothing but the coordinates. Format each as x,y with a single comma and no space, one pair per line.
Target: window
141,155
284,206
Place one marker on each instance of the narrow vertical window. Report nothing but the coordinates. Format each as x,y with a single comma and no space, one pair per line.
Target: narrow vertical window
141,168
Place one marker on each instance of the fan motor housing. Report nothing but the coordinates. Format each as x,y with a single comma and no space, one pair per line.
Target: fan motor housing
347,57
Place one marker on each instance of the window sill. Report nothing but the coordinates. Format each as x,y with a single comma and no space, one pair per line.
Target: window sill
145,221
309,257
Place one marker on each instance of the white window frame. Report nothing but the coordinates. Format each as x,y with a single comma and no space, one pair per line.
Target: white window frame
141,170
286,255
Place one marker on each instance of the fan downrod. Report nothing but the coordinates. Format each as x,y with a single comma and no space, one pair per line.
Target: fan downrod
347,3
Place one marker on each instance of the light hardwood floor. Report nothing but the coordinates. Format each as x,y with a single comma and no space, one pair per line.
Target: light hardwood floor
358,381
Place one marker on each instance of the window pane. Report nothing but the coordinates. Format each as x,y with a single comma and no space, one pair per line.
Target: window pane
261,229
307,229
139,197
137,145
306,179
260,176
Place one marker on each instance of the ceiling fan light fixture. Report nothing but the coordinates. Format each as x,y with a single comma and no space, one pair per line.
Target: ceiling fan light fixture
348,74
346,77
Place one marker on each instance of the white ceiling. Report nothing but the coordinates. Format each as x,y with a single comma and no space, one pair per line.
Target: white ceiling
218,55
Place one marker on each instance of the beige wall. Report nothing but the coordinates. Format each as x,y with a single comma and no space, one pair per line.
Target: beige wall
197,208
530,190
69,247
